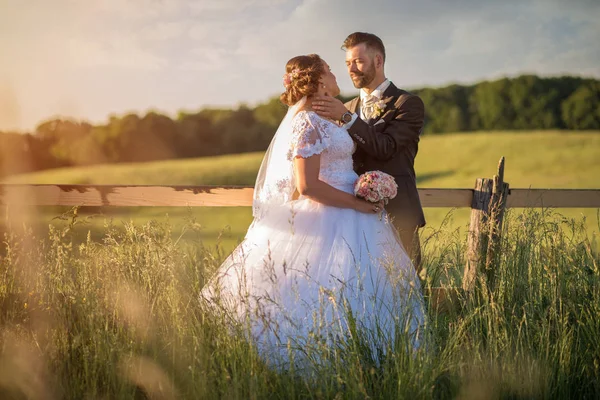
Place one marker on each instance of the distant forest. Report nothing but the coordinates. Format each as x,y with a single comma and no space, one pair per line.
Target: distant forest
524,103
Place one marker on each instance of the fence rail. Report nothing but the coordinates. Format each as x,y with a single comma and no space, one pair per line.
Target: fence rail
232,196
487,202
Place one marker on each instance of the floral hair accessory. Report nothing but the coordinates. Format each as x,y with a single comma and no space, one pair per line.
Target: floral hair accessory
289,77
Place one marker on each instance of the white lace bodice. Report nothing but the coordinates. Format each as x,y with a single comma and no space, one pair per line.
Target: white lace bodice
315,135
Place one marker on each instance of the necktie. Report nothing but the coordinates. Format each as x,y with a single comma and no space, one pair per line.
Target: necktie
368,106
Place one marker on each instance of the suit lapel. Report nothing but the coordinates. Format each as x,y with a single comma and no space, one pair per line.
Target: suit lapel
390,95
392,90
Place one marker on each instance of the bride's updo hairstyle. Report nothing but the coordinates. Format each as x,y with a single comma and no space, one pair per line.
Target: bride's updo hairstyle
302,74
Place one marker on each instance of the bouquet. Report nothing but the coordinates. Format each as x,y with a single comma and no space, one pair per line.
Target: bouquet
375,186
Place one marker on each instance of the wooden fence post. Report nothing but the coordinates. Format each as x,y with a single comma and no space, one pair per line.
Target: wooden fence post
496,217
487,213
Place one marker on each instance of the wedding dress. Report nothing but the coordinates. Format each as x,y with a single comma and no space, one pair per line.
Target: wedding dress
305,270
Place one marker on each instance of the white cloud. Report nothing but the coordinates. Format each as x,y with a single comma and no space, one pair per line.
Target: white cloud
202,6
225,33
127,10
122,53
207,60
93,58
163,31
435,42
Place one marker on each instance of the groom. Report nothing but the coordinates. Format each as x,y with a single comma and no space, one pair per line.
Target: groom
386,123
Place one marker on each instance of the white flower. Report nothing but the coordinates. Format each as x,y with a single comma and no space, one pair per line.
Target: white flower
379,107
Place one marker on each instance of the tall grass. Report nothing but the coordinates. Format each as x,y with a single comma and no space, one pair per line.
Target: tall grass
120,318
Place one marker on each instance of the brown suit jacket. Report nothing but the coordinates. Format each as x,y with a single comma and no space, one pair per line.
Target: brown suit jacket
390,143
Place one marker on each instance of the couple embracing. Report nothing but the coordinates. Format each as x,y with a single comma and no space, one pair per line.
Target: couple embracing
317,258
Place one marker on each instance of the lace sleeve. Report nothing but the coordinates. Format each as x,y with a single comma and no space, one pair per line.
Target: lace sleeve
308,136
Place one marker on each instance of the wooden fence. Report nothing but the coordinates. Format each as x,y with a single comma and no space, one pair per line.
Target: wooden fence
487,201
232,196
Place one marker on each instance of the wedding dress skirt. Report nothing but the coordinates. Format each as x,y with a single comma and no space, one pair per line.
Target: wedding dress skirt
305,270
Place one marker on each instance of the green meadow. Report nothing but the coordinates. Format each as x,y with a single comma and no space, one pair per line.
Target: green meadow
539,159
102,303
119,318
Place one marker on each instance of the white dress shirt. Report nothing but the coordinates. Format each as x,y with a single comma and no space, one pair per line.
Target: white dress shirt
378,93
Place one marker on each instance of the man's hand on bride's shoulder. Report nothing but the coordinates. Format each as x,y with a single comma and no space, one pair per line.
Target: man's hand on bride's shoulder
329,107
367,207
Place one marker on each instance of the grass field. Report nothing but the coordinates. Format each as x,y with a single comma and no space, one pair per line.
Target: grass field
114,314
120,319
537,159
548,159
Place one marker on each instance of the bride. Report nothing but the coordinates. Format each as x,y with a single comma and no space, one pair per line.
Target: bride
316,260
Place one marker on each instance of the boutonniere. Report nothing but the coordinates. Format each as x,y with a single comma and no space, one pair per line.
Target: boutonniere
379,107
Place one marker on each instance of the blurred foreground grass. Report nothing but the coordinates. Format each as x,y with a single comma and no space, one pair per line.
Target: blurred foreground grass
118,318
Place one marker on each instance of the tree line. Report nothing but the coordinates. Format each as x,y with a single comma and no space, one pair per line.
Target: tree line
526,102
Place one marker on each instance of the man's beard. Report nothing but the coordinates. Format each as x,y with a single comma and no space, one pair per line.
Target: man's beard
362,79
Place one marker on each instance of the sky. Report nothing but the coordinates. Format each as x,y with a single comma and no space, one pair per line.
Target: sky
89,59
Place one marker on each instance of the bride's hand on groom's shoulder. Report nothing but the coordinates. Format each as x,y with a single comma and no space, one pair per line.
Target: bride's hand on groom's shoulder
329,107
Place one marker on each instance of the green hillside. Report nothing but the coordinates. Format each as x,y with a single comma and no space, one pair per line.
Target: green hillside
564,159
546,159
237,169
